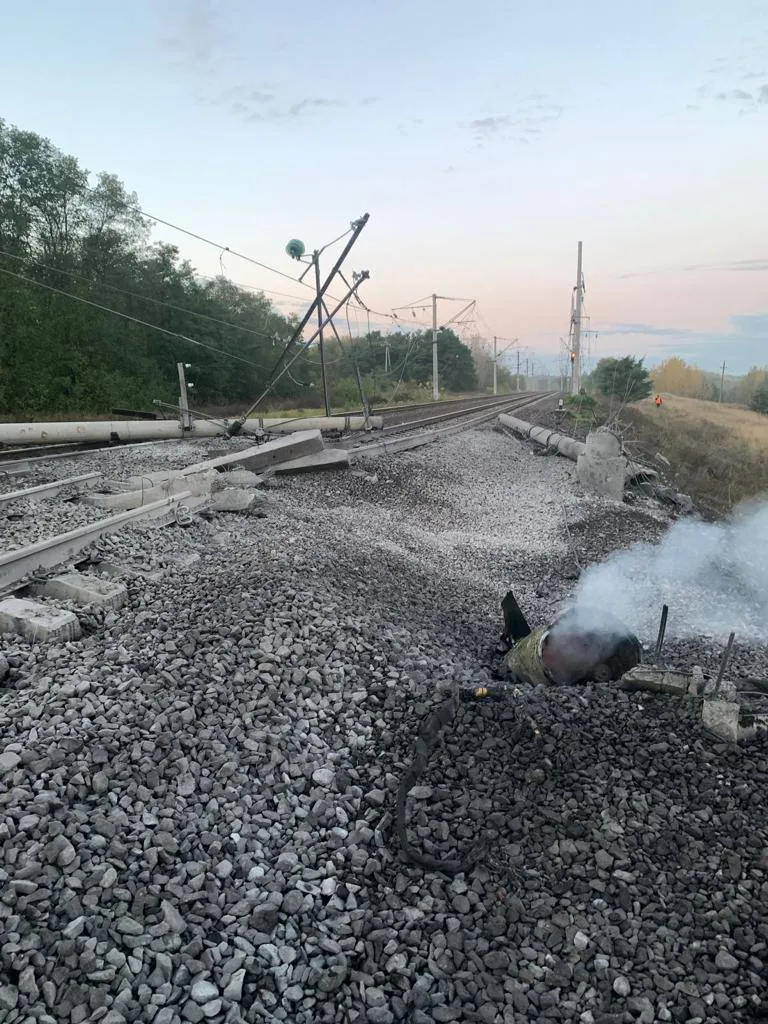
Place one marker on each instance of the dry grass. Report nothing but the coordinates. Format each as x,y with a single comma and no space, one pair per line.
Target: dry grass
718,453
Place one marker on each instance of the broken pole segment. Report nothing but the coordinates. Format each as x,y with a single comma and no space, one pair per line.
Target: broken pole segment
331,459
263,456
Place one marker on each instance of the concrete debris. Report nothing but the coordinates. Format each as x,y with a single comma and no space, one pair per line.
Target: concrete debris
263,456
722,717
36,621
84,590
338,459
602,468
683,503
152,477
729,720
197,484
237,478
656,680
234,499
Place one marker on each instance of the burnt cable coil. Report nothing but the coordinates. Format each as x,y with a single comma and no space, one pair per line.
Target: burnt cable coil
429,734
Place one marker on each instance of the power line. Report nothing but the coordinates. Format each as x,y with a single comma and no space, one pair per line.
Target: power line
193,234
137,295
233,252
136,320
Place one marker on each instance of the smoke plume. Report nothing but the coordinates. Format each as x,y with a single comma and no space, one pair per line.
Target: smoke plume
714,577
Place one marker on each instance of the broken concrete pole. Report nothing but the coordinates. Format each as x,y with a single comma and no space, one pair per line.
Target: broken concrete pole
151,479
567,446
195,483
601,468
84,590
602,480
263,456
344,422
36,621
338,459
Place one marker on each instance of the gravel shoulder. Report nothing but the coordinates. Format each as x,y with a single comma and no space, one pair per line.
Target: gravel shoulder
196,799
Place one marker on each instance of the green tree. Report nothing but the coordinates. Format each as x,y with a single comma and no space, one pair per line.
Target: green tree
759,401
59,355
626,379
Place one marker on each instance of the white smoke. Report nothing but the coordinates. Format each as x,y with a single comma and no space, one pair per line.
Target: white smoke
714,577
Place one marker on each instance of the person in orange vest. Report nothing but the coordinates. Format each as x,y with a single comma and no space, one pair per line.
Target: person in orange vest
658,401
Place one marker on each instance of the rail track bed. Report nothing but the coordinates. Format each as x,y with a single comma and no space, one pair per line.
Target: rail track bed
219,762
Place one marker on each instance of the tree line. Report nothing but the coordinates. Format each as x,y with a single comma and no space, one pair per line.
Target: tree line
628,380
79,267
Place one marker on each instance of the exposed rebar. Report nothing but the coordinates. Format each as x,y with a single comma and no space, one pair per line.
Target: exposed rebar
724,663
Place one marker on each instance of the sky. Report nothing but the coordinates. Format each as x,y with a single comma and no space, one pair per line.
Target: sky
484,139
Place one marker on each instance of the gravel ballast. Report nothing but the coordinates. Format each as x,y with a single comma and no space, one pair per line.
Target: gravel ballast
196,799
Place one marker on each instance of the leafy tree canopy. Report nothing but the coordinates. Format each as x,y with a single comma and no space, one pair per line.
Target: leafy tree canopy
625,379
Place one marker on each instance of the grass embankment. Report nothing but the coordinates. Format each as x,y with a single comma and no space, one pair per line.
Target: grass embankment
718,453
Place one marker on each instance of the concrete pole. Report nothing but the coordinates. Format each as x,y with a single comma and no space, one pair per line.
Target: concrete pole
185,419
576,349
321,341
435,384
517,378
495,341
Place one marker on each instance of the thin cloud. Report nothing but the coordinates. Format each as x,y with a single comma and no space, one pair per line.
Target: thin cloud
260,106
196,37
528,116
743,345
736,266
729,79
646,329
485,127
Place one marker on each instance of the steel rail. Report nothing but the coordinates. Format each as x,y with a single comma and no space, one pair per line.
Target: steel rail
81,482
63,548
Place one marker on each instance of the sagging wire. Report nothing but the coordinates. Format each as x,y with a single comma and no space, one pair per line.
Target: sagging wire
134,319
137,295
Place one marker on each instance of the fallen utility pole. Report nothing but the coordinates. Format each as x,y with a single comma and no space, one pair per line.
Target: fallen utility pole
315,262
357,226
237,425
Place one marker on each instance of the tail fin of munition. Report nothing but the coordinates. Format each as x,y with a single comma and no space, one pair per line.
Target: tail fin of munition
515,624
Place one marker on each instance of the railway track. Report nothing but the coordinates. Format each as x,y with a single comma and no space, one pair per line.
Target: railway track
415,432
405,428
15,460
416,417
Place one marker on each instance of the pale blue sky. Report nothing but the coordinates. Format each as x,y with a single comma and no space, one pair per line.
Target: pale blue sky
483,138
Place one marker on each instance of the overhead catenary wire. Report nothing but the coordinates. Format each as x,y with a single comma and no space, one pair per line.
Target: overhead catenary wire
192,234
137,295
133,319
225,248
